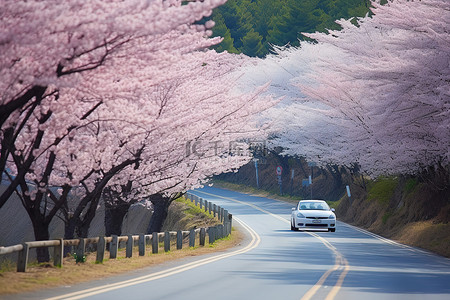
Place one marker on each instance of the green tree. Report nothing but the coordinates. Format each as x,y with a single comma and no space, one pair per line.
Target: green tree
220,29
236,18
252,44
323,21
294,19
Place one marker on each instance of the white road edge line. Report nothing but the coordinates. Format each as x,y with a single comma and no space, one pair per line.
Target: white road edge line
255,240
340,261
386,240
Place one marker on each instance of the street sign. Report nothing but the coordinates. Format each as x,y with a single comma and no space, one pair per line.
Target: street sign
279,170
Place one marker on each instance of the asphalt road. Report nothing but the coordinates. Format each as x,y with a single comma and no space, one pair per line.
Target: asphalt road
277,263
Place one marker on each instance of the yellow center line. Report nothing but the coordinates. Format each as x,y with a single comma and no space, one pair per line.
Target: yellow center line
338,285
340,261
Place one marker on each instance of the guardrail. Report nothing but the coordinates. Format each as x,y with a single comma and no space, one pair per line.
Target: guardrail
214,233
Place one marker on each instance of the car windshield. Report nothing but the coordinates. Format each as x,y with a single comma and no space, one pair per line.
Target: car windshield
313,206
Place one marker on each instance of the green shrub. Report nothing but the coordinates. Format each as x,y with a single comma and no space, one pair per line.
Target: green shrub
382,189
410,185
386,216
79,259
193,210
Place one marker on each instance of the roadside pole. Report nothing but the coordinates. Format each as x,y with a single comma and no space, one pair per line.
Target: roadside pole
311,165
256,170
279,171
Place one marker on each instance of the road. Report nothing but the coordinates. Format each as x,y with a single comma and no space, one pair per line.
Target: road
277,263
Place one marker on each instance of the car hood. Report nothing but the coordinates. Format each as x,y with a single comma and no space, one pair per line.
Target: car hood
316,213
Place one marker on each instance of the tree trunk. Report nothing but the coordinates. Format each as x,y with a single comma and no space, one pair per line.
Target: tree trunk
116,207
41,233
40,219
114,217
69,234
160,210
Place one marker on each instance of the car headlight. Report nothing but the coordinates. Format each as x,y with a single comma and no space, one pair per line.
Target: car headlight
332,217
300,215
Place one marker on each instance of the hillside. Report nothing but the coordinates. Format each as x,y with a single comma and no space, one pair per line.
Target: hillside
403,209
253,26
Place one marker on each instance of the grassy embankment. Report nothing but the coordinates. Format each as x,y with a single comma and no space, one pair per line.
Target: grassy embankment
403,210
42,276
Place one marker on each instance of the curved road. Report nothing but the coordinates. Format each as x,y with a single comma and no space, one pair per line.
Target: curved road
277,263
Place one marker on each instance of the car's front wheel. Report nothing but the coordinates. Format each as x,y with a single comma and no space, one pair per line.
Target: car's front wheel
293,228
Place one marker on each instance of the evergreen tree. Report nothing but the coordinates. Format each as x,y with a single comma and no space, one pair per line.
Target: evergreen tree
276,35
220,29
233,17
252,44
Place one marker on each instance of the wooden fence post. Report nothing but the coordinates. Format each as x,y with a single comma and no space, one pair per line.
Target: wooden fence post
202,236
22,259
81,249
179,240
192,238
58,254
211,235
141,244
101,247
227,221
129,250
166,241
114,247
221,231
155,242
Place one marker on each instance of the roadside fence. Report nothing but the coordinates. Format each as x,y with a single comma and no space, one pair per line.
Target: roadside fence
142,240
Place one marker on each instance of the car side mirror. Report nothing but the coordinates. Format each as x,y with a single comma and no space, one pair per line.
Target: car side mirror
333,210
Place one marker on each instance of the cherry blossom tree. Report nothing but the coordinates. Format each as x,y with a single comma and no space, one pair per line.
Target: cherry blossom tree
376,94
165,121
199,127
49,45
72,80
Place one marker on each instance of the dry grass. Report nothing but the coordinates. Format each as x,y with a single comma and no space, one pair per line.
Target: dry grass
47,276
427,235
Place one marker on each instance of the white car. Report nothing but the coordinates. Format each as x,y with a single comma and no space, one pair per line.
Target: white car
313,214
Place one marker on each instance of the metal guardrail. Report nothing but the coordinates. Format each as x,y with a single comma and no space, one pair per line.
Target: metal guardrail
214,233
